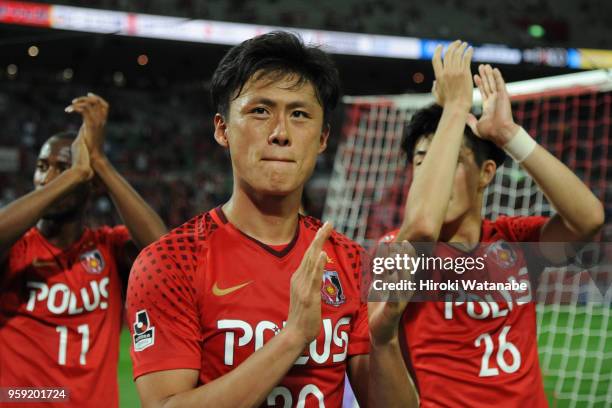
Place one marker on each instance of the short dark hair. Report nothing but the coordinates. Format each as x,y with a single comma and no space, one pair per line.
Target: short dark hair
276,53
425,122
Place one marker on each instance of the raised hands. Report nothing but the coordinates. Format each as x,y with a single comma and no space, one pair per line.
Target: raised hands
496,123
453,84
94,110
305,303
81,161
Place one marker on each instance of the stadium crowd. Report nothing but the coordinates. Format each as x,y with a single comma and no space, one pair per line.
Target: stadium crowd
135,144
566,23
161,141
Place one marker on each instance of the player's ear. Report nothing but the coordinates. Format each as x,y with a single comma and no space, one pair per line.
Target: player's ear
323,138
487,173
221,130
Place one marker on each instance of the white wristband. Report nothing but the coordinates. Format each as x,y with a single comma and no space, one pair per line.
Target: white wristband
520,146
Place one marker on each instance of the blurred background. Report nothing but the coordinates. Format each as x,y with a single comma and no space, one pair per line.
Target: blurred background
155,73
160,125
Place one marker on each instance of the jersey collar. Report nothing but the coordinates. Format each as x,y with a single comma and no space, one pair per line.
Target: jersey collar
218,211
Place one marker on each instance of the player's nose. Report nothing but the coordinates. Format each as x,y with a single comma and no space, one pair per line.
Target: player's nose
280,134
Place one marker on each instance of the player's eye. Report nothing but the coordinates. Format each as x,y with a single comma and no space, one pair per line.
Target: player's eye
259,111
42,166
300,114
63,167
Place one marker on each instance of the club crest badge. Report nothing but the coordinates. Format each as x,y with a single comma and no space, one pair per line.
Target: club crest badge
144,332
502,254
92,261
331,289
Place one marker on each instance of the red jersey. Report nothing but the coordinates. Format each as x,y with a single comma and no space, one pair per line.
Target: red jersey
481,354
60,316
206,296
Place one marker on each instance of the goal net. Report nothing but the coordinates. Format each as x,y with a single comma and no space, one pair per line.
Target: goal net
570,116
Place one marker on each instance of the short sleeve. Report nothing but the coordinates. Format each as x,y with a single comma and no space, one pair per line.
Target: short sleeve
523,229
119,236
162,308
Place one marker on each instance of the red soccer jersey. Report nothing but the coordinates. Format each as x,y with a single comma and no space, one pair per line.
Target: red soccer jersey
473,354
206,296
60,316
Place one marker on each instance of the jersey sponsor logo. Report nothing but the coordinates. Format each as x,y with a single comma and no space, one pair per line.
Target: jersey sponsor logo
331,289
502,254
60,298
41,263
217,291
482,308
92,261
332,344
144,332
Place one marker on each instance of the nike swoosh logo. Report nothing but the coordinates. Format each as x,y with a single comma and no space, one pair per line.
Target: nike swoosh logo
37,263
217,291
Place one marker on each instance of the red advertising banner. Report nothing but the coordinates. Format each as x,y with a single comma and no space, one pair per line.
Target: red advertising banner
34,14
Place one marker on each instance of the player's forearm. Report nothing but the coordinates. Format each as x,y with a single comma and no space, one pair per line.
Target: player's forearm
245,386
390,384
142,221
579,208
431,189
23,213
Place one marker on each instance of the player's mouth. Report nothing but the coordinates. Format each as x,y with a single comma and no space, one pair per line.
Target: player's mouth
277,160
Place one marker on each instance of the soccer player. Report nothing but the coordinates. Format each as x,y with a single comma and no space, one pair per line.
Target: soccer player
251,303
61,289
480,355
